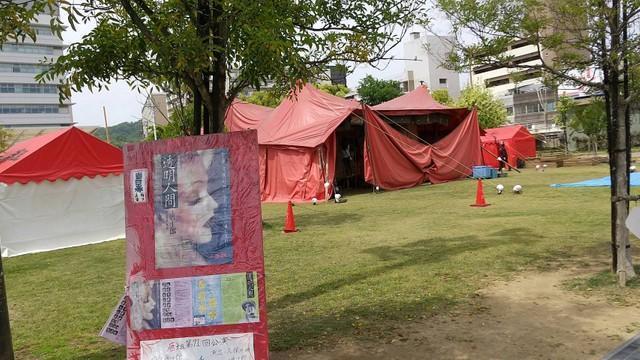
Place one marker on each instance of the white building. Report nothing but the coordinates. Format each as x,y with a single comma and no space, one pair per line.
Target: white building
424,56
156,111
526,98
25,103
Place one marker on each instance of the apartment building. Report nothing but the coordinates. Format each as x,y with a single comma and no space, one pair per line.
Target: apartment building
527,99
424,56
25,103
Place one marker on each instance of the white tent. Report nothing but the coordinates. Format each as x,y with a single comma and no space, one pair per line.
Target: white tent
60,190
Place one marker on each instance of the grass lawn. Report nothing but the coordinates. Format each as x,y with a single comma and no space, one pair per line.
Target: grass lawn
356,270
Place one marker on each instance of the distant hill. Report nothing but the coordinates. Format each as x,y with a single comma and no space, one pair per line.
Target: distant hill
126,132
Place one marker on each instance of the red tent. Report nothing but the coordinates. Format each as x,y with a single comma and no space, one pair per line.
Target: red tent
298,145
243,116
395,161
518,141
68,153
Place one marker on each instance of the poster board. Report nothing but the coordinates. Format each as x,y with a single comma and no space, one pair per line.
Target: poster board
195,265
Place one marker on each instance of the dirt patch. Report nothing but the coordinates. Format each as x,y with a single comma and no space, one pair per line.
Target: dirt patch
531,317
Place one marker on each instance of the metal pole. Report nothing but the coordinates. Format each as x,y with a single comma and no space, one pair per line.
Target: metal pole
106,126
6,345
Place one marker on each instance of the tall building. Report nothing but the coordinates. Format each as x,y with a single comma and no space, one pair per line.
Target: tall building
428,53
25,103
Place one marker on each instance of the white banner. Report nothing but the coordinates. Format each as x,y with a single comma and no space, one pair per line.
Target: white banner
214,347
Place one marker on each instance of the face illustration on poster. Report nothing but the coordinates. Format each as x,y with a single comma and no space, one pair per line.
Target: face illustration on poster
192,209
249,307
144,308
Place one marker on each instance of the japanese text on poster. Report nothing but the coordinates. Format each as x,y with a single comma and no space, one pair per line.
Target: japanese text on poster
216,347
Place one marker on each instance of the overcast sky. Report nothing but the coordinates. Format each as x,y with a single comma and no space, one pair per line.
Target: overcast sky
123,104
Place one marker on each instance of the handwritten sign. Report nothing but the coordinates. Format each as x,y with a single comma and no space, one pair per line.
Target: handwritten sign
215,347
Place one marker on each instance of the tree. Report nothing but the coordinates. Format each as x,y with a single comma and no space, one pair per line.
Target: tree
570,36
269,98
374,91
491,112
199,43
591,120
334,89
178,125
442,96
17,17
6,137
564,109
120,134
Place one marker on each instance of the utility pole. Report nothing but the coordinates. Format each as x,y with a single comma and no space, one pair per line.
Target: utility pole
6,345
106,125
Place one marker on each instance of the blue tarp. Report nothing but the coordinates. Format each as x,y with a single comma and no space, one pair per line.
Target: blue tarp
605,181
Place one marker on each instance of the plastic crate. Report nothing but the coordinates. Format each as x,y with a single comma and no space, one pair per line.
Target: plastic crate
484,172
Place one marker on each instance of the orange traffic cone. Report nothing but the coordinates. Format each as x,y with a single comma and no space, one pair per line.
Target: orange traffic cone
289,221
480,196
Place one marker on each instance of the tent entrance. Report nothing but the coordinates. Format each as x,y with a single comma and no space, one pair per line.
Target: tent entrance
350,154
430,128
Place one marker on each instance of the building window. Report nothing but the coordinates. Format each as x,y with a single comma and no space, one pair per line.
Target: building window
9,88
23,68
29,109
43,30
28,49
492,83
509,110
443,82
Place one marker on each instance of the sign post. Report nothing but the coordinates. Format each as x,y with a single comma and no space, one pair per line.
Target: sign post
195,265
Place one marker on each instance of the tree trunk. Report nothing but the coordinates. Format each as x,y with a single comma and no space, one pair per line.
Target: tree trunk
621,202
197,113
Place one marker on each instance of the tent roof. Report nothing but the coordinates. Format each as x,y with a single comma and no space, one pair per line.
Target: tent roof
505,132
306,118
416,102
64,154
242,116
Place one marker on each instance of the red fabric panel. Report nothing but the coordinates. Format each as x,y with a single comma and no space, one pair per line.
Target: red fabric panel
393,161
296,173
490,153
61,155
243,116
455,155
246,233
307,118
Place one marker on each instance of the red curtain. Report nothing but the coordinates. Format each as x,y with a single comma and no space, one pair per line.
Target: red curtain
394,161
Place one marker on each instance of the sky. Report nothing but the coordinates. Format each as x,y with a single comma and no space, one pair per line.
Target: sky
123,104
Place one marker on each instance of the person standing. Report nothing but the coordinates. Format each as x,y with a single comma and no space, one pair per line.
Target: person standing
503,158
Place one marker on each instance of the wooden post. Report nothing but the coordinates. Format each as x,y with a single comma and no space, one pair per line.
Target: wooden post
6,345
106,125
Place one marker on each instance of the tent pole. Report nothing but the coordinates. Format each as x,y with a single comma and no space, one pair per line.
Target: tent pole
106,126
6,345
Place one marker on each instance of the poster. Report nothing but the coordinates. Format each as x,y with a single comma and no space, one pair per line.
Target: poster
192,209
195,301
223,347
195,265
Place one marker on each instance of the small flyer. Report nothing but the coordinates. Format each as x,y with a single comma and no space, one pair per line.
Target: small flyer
195,301
215,347
115,329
